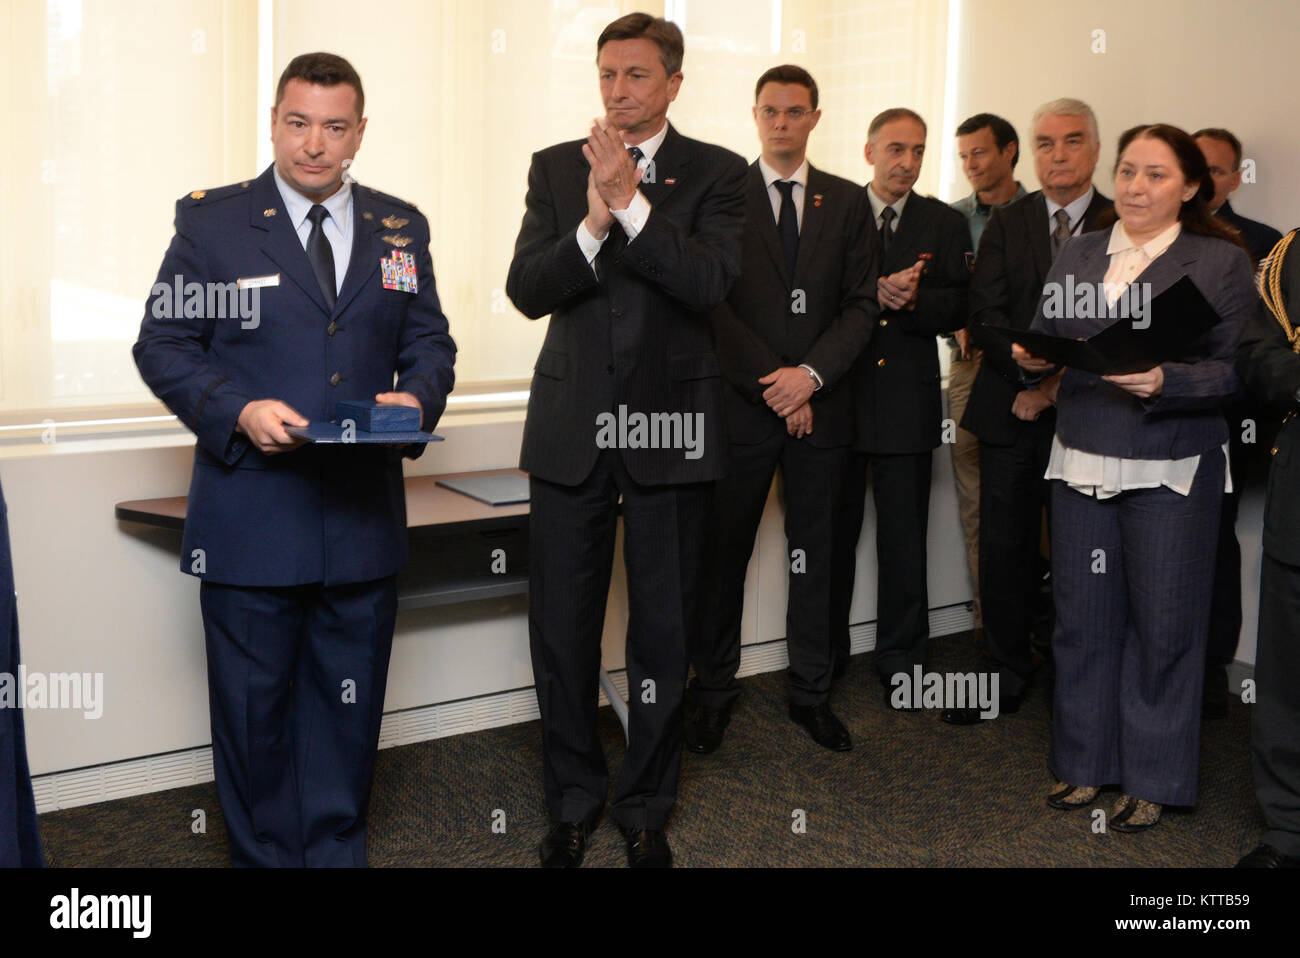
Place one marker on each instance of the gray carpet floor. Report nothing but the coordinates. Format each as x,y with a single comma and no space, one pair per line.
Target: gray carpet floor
912,792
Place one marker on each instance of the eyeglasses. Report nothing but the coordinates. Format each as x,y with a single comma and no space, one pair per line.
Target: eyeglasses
770,113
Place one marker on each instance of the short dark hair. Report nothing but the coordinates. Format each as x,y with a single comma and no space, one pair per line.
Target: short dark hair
665,34
322,69
892,114
788,73
1223,136
1003,131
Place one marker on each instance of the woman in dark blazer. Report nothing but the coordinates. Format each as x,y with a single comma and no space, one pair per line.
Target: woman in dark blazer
1138,464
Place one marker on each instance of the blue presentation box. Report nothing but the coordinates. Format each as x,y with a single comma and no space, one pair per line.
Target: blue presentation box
369,416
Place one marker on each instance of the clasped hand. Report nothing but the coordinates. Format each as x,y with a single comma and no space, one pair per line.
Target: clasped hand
613,179
898,290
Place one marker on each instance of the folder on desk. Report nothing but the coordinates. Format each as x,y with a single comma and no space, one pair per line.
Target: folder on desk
507,489
1171,324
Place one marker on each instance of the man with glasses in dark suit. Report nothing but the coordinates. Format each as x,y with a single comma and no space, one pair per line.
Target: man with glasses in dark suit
788,335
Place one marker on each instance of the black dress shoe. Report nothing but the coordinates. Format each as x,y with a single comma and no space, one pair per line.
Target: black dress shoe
647,848
704,728
1266,856
821,723
564,845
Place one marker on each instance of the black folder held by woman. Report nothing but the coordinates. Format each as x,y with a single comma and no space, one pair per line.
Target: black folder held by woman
1165,329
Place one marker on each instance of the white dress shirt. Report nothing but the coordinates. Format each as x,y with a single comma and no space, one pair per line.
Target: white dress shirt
800,180
337,226
878,206
1107,476
633,218
1074,209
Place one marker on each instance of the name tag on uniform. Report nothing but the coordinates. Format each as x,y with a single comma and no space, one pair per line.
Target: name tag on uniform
257,282
399,272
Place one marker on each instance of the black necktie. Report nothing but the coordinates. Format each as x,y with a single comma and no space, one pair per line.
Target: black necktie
886,234
787,225
321,254
635,153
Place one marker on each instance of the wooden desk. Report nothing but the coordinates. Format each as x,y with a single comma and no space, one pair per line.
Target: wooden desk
453,541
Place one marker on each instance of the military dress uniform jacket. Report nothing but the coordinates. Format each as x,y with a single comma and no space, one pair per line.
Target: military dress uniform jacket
331,514
898,398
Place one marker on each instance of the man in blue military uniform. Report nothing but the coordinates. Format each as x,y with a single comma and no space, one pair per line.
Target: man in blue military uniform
297,546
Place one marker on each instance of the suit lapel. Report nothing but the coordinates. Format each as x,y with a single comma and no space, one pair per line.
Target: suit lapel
670,168
1100,204
910,227
1040,242
1169,267
759,211
367,249
814,217
282,246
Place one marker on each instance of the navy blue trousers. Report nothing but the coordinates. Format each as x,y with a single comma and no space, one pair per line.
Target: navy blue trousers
1129,645
1275,716
296,679
20,841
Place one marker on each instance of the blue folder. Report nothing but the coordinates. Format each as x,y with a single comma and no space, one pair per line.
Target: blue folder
331,433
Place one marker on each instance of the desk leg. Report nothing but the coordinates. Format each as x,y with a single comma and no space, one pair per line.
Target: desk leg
615,700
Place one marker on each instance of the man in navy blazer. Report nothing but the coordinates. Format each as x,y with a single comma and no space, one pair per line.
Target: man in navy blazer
296,546
1014,420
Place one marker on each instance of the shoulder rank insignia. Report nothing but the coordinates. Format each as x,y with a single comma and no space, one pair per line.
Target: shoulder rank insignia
394,222
198,194
398,241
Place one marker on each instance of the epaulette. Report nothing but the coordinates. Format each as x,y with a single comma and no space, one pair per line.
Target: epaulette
387,198
204,197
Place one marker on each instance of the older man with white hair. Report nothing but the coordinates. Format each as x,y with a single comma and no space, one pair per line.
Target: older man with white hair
1013,420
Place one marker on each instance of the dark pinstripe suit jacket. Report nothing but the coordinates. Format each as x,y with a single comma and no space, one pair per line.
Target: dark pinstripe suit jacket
1186,418
638,336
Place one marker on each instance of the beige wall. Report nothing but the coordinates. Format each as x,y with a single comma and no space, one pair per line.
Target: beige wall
1193,63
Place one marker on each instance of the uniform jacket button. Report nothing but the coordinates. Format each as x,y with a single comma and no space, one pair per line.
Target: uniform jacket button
335,379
